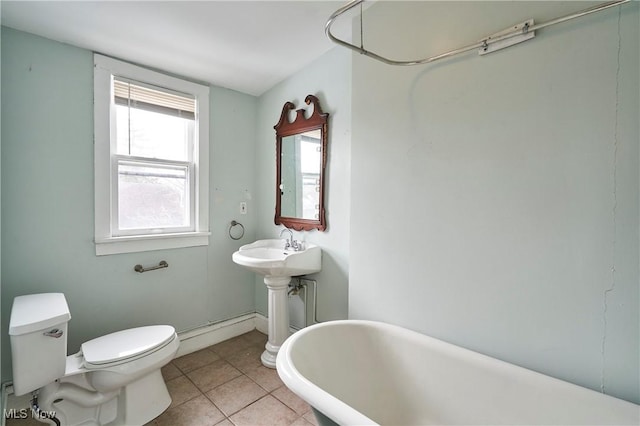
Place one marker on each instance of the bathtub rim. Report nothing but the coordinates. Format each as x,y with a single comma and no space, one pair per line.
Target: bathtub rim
343,413
323,401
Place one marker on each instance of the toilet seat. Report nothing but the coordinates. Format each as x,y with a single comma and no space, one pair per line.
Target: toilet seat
126,345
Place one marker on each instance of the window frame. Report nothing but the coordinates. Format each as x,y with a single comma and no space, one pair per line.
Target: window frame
105,154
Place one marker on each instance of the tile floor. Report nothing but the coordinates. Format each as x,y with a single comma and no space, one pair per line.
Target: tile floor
226,384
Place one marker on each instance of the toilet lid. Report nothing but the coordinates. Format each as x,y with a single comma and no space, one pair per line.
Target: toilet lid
126,344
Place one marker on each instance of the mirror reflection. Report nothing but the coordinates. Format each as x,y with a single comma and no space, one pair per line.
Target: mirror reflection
301,160
300,181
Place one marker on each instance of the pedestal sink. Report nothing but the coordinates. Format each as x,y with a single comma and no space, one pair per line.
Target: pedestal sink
270,259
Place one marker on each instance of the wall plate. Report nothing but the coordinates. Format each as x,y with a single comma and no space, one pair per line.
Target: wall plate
493,46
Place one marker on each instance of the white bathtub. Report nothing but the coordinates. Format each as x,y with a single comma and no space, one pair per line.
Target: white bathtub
363,372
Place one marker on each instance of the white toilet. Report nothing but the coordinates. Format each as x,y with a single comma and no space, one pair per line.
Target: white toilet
113,380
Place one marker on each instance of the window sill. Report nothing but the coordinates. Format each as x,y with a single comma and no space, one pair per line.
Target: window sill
133,244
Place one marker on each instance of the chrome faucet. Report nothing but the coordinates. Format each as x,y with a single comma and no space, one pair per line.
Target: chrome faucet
291,243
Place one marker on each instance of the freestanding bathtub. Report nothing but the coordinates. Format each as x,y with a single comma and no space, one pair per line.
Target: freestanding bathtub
363,372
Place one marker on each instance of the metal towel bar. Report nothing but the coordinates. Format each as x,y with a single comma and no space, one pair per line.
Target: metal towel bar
141,269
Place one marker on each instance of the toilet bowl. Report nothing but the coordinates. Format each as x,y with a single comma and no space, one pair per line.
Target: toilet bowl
113,379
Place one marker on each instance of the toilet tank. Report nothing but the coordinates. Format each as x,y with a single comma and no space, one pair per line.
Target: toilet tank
38,334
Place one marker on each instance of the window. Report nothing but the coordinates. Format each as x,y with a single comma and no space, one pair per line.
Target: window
151,159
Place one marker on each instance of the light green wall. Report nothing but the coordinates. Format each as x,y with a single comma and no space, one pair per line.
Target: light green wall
495,198
1,342
328,78
47,199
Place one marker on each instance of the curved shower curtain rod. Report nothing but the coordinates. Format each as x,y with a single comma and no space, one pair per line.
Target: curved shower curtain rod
522,32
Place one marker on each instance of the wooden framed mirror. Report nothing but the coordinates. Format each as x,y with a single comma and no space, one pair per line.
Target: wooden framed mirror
301,159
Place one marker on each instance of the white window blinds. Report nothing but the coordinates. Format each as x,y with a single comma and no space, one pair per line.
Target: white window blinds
157,100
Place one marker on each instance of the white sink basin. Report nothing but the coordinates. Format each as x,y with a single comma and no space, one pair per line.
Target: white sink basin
269,258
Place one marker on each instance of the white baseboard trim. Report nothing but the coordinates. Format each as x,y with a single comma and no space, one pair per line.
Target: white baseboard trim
262,323
202,337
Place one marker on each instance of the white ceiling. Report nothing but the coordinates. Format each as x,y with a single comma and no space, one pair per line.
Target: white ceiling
247,46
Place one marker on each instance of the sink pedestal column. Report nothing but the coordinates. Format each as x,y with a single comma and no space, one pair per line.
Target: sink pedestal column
278,318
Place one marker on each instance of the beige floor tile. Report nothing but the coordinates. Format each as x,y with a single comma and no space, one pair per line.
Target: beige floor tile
301,422
311,418
18,420
225,422
266,411
195,360
231,346
291,400
181,390
256,338
197,412
236,394
246,359
213,375
170,371
265,377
